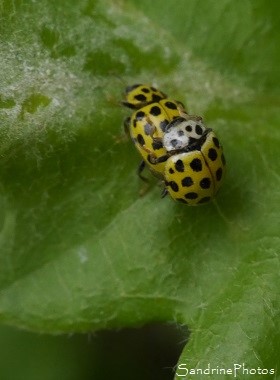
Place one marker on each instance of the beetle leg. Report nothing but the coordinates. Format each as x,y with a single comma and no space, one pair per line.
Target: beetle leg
140,169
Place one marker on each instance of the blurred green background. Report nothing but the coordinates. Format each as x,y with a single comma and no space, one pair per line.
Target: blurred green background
147,353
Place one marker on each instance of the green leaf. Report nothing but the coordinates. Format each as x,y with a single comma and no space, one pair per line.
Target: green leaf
80,250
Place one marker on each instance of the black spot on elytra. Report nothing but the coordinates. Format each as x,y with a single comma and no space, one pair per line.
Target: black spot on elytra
156,98
155,111
140,97
171,105
139,115
157,145
205,183
187,181
216,142
191,195
140,139
196,165
212,154
179,166
219,174
146,90
174,186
